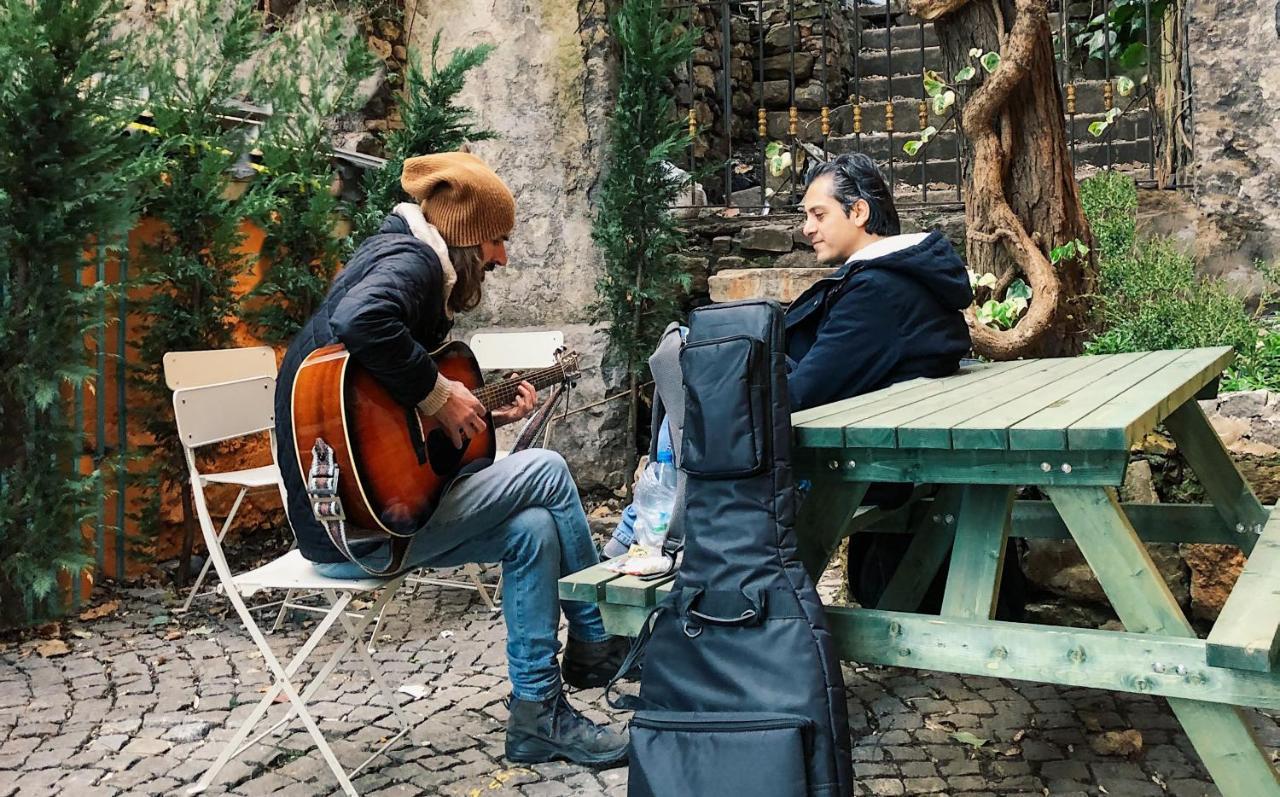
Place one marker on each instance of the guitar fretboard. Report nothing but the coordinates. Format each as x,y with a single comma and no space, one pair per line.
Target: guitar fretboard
500,394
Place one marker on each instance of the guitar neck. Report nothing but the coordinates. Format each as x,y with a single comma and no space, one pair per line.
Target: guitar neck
500,394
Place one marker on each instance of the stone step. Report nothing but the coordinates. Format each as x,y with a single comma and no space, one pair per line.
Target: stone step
876,88
780,284
906,120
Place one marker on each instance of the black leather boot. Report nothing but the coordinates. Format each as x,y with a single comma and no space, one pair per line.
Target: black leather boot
589,665
551,729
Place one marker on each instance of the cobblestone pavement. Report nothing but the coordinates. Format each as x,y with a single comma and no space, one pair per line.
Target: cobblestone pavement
143,701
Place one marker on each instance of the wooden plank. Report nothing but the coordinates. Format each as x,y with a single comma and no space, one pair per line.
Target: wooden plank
1221,734
951,466
1226,487
1246,634
977,559
1046,429
991,430
586,585
935,430
933,533
1125,419
881,430
828,428
1038,520
823,520
1136,663
634,590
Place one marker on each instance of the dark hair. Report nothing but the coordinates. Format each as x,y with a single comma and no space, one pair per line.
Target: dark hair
468,264
855,177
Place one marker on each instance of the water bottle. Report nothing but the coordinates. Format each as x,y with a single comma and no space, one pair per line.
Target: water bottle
654,500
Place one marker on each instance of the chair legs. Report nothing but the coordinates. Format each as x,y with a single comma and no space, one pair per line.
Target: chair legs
208,560
354,625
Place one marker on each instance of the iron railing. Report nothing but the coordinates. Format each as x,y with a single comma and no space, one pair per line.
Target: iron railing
1110,54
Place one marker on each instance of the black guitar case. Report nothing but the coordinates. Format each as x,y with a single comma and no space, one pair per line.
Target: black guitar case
741,693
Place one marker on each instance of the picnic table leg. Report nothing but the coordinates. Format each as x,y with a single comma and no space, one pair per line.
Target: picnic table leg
823,520
977,559
1220,733
1232,496
932,536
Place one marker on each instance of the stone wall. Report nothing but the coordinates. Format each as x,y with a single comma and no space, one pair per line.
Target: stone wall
545,91
1235,175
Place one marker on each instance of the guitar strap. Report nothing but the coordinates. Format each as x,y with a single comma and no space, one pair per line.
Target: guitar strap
322,490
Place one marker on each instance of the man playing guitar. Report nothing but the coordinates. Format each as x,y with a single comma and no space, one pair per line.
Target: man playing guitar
390,306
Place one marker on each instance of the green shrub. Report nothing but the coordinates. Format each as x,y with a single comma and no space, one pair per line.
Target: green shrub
1150,297
63,184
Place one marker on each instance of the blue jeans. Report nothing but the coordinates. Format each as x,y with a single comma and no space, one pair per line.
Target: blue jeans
523,511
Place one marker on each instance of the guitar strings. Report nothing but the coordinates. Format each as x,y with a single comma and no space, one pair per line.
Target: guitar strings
505,392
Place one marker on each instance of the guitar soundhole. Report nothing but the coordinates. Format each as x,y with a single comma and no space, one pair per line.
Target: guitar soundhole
442,455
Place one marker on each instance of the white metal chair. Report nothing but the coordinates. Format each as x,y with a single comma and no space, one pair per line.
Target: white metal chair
214,413
499,351
187,369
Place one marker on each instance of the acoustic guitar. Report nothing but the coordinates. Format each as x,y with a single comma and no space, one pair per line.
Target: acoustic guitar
394,463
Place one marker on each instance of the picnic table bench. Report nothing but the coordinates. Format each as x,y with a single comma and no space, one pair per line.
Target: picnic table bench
1065,426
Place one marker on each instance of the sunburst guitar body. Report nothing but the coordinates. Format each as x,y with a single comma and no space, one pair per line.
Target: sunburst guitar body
393,462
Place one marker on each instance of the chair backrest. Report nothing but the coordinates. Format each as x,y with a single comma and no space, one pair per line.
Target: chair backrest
213,413
516,350
196,368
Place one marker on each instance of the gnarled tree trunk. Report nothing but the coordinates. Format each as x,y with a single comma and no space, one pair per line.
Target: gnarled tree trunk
1022,194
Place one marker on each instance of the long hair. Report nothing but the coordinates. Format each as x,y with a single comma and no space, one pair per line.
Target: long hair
469,265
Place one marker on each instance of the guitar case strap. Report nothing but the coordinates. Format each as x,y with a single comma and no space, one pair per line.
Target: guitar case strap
322,490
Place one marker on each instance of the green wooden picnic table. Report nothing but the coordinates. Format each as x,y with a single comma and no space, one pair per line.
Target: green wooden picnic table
1065,426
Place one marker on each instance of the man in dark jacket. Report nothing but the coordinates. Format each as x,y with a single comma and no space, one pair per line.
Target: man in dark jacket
892,311
391,306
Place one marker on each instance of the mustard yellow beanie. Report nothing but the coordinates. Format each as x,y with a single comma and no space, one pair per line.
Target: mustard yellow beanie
461,196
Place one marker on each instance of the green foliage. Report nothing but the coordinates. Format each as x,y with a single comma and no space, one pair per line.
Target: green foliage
1150,297
433,122
63,183
312,72
1110,202
1119,32
642,282
943,95
197,64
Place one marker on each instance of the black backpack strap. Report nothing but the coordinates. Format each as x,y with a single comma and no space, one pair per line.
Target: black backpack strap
635,656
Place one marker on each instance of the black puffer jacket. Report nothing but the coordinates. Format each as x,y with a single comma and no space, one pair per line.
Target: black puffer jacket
879,320
387,307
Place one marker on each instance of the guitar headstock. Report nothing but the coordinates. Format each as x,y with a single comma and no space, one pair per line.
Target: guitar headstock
570,364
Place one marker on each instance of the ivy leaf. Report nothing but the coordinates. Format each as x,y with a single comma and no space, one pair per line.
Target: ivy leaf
1081,248
975,52
987,281
1096,129
943,101
912,147
1133,56
932,84
927,134
1124,85
965,74
990,61
1018,289
986,314
772,149
1060,252
1113,114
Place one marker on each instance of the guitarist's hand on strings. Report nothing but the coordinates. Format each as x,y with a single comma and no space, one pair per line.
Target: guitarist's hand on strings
526,398
462,415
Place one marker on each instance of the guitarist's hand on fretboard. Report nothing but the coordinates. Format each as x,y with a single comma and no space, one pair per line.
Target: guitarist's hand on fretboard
526,399
463,415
